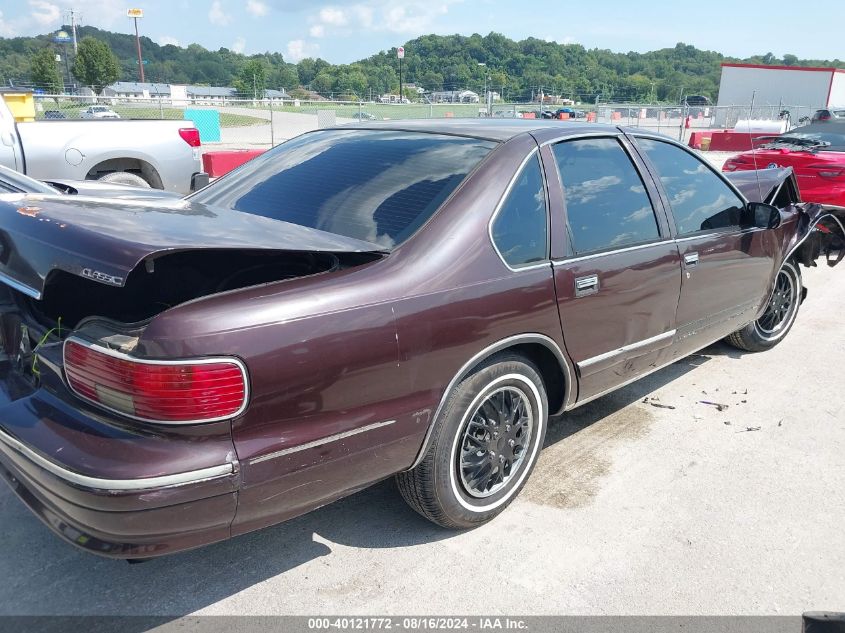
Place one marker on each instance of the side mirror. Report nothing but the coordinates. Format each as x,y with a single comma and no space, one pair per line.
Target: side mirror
762,215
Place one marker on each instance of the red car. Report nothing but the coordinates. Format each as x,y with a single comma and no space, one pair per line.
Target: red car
816,153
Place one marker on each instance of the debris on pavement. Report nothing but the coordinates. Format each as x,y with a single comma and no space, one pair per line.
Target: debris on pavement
750,428
655,402
719,406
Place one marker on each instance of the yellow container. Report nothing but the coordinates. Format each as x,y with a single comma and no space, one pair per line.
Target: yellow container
705,144
21,105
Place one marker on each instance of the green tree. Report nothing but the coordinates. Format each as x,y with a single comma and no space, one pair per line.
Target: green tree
252,80
44,72
95,64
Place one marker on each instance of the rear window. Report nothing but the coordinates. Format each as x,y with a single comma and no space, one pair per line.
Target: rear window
374,185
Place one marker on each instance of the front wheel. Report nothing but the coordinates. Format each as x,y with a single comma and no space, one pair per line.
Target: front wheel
485,445
779,316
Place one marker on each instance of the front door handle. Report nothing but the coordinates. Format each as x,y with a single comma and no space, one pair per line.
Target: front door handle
586,285
691,260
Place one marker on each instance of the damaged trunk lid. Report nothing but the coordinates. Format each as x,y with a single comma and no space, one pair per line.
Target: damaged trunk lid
104,241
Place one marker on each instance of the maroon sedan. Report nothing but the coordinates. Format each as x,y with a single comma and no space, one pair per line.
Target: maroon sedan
411,299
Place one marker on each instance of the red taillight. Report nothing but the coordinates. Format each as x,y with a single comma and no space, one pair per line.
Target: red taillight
157,391
190,135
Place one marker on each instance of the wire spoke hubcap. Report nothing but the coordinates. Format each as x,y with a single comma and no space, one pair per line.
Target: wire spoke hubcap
495,441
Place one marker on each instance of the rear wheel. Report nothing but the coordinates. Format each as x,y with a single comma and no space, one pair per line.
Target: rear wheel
124,178
486,442
773,326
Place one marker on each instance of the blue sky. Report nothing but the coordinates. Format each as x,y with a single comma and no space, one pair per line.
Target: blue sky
345,30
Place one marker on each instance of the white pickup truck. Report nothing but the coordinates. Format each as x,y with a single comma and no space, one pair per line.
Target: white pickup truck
159,154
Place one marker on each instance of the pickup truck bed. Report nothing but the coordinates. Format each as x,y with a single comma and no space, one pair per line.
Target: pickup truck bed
165,154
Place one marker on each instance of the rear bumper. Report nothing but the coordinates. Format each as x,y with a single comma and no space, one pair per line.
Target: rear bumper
113,490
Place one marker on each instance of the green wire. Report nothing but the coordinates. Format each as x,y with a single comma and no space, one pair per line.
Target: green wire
43,340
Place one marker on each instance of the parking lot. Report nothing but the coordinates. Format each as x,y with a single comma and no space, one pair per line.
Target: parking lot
633,509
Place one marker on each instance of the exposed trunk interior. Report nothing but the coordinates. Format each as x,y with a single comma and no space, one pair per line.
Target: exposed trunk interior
169,280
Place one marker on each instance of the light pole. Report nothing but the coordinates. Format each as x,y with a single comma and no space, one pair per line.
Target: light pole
135,14
400,53
488,101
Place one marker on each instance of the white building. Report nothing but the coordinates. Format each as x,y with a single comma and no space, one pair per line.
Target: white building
799,89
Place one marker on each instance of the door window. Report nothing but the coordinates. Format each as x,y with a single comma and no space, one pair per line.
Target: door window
700,200
520,230
607,206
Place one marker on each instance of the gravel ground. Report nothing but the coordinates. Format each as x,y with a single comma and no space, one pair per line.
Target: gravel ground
632,509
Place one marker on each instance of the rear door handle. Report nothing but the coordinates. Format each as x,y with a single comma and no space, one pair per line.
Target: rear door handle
691,259
586,285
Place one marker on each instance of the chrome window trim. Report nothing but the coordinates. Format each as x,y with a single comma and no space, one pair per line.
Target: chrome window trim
501,203
510,341
146,361
636,247
98,483
20,287
320,442
586,364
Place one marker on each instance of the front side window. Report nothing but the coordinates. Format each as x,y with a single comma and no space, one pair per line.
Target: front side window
520,230
700,200
607,206
379,186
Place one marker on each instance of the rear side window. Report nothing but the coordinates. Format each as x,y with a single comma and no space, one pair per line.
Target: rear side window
520,230
700,200
374,185
607,205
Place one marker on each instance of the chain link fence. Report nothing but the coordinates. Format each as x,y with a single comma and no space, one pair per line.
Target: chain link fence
227,123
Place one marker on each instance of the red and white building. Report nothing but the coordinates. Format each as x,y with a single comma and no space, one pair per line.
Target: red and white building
800,89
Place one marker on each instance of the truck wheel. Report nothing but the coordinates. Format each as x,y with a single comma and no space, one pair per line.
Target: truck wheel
485,445
124,178
771,328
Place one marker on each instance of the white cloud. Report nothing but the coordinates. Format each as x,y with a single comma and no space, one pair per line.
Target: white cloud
413,16
45,14
333,16
164,40
238,46
298,50
257,8
216,15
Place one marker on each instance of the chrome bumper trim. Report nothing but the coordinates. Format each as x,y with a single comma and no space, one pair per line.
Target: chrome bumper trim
146,483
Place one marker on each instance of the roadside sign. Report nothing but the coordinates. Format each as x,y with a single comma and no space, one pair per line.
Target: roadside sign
61,37
134,13
400,52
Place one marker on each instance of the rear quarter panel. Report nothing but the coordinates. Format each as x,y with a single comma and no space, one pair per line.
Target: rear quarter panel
372,345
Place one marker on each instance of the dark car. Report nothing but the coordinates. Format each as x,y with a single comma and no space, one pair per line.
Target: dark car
820,116
54,114
411,298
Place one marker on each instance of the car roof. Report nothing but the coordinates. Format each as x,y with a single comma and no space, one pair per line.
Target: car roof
833,127
487,129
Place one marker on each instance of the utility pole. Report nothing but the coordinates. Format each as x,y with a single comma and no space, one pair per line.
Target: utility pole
135,14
